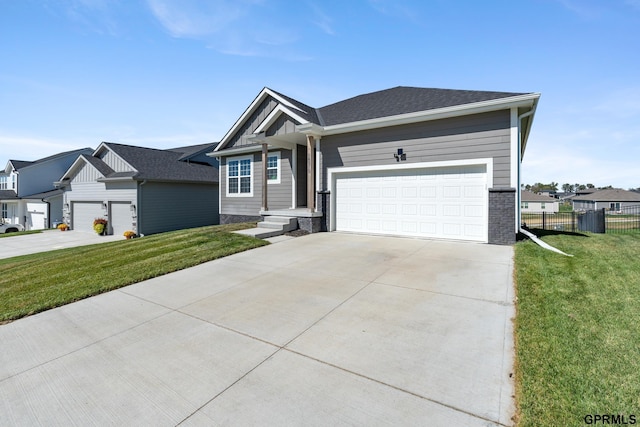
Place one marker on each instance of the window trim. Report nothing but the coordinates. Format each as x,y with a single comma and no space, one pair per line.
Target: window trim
239,159
4,210
277,168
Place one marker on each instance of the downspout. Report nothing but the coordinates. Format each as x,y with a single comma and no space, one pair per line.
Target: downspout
518,190
138,216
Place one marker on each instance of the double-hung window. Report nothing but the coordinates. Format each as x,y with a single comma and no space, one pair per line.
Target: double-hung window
273,168
3,182
240,176
5,210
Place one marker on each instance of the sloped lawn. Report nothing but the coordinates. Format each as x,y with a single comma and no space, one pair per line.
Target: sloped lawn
578,330
33,283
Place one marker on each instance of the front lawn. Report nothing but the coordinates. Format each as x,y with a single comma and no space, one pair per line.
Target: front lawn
37,282
578,330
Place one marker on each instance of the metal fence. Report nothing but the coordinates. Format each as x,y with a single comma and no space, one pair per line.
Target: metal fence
625,220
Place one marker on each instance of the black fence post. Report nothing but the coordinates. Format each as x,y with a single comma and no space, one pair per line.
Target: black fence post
573,221
544,221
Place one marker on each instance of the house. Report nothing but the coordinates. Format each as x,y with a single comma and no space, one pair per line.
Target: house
612,199
27,194
537,203
141,189
406,161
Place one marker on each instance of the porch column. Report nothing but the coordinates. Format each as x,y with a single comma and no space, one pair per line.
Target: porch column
265,152
311,162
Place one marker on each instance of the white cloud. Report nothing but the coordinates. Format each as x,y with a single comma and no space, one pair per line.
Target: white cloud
233,27
322,20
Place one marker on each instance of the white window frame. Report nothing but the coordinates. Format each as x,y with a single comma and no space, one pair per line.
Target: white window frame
4,182
239,159
542,205
4,210
275,154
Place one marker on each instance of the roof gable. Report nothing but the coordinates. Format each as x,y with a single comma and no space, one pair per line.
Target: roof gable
389,107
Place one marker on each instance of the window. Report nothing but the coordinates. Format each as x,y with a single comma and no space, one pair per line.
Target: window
525,205
542,205
3,182
5,210
240,176
13,181
273,168
614,206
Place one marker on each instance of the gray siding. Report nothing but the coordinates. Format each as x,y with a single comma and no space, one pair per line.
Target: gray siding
86,173
283,124
114,162
477,136
252,122
40,177
172,206
279,195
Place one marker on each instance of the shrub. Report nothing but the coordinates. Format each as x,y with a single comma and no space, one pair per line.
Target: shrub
99,225
63,227
129,234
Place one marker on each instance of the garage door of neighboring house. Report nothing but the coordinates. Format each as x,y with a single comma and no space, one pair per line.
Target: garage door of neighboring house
441,202
37,220
83,214
120,217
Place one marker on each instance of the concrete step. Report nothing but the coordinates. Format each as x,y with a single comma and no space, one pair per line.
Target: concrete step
260,233
279,222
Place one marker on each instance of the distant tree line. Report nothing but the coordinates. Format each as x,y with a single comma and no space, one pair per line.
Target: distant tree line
567,188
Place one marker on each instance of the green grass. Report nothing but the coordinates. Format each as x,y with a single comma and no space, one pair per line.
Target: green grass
19,233
577,329
33,283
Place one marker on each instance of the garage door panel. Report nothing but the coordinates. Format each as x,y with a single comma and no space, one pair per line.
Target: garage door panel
393,202
83,214
120,217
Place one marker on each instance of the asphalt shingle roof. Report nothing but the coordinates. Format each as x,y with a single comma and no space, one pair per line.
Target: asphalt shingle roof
528,196
402,100
101,166
162,165
611,195
7,194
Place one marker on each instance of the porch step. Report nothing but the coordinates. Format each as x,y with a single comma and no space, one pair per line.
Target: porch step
271,226
284,223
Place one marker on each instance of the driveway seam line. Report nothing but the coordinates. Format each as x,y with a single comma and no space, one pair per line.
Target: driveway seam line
504,304
395,387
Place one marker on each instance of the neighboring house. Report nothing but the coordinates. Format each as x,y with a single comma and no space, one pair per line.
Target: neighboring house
610,199
404,161
27,194
141,189
532,202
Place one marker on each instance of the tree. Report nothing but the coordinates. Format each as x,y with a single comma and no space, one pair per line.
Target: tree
591,186
567,188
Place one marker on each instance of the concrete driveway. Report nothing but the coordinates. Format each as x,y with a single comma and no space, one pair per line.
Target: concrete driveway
326,329
49,240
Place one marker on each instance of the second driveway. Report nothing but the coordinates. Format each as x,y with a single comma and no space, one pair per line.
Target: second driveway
326,329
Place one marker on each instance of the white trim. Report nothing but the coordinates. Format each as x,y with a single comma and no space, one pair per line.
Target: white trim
239,159
333,172
513,148
256,102
273,116
82,158
278,168
106,145
527,100
234,151
317,177
294,176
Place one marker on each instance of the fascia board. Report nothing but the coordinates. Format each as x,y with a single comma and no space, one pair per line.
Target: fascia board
256,102
273,116
74,165
106,145
527,100
234,151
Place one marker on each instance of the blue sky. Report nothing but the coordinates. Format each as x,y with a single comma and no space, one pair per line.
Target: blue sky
168,73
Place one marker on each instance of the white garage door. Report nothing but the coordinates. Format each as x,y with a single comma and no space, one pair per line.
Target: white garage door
120,217
83,214
444,202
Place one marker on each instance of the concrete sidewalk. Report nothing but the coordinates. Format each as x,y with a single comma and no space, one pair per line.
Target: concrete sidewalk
326,329
49,240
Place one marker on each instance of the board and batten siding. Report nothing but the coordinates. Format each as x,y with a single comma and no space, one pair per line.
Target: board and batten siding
114,162
174,206
253,122
283,124
279,195
477,136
